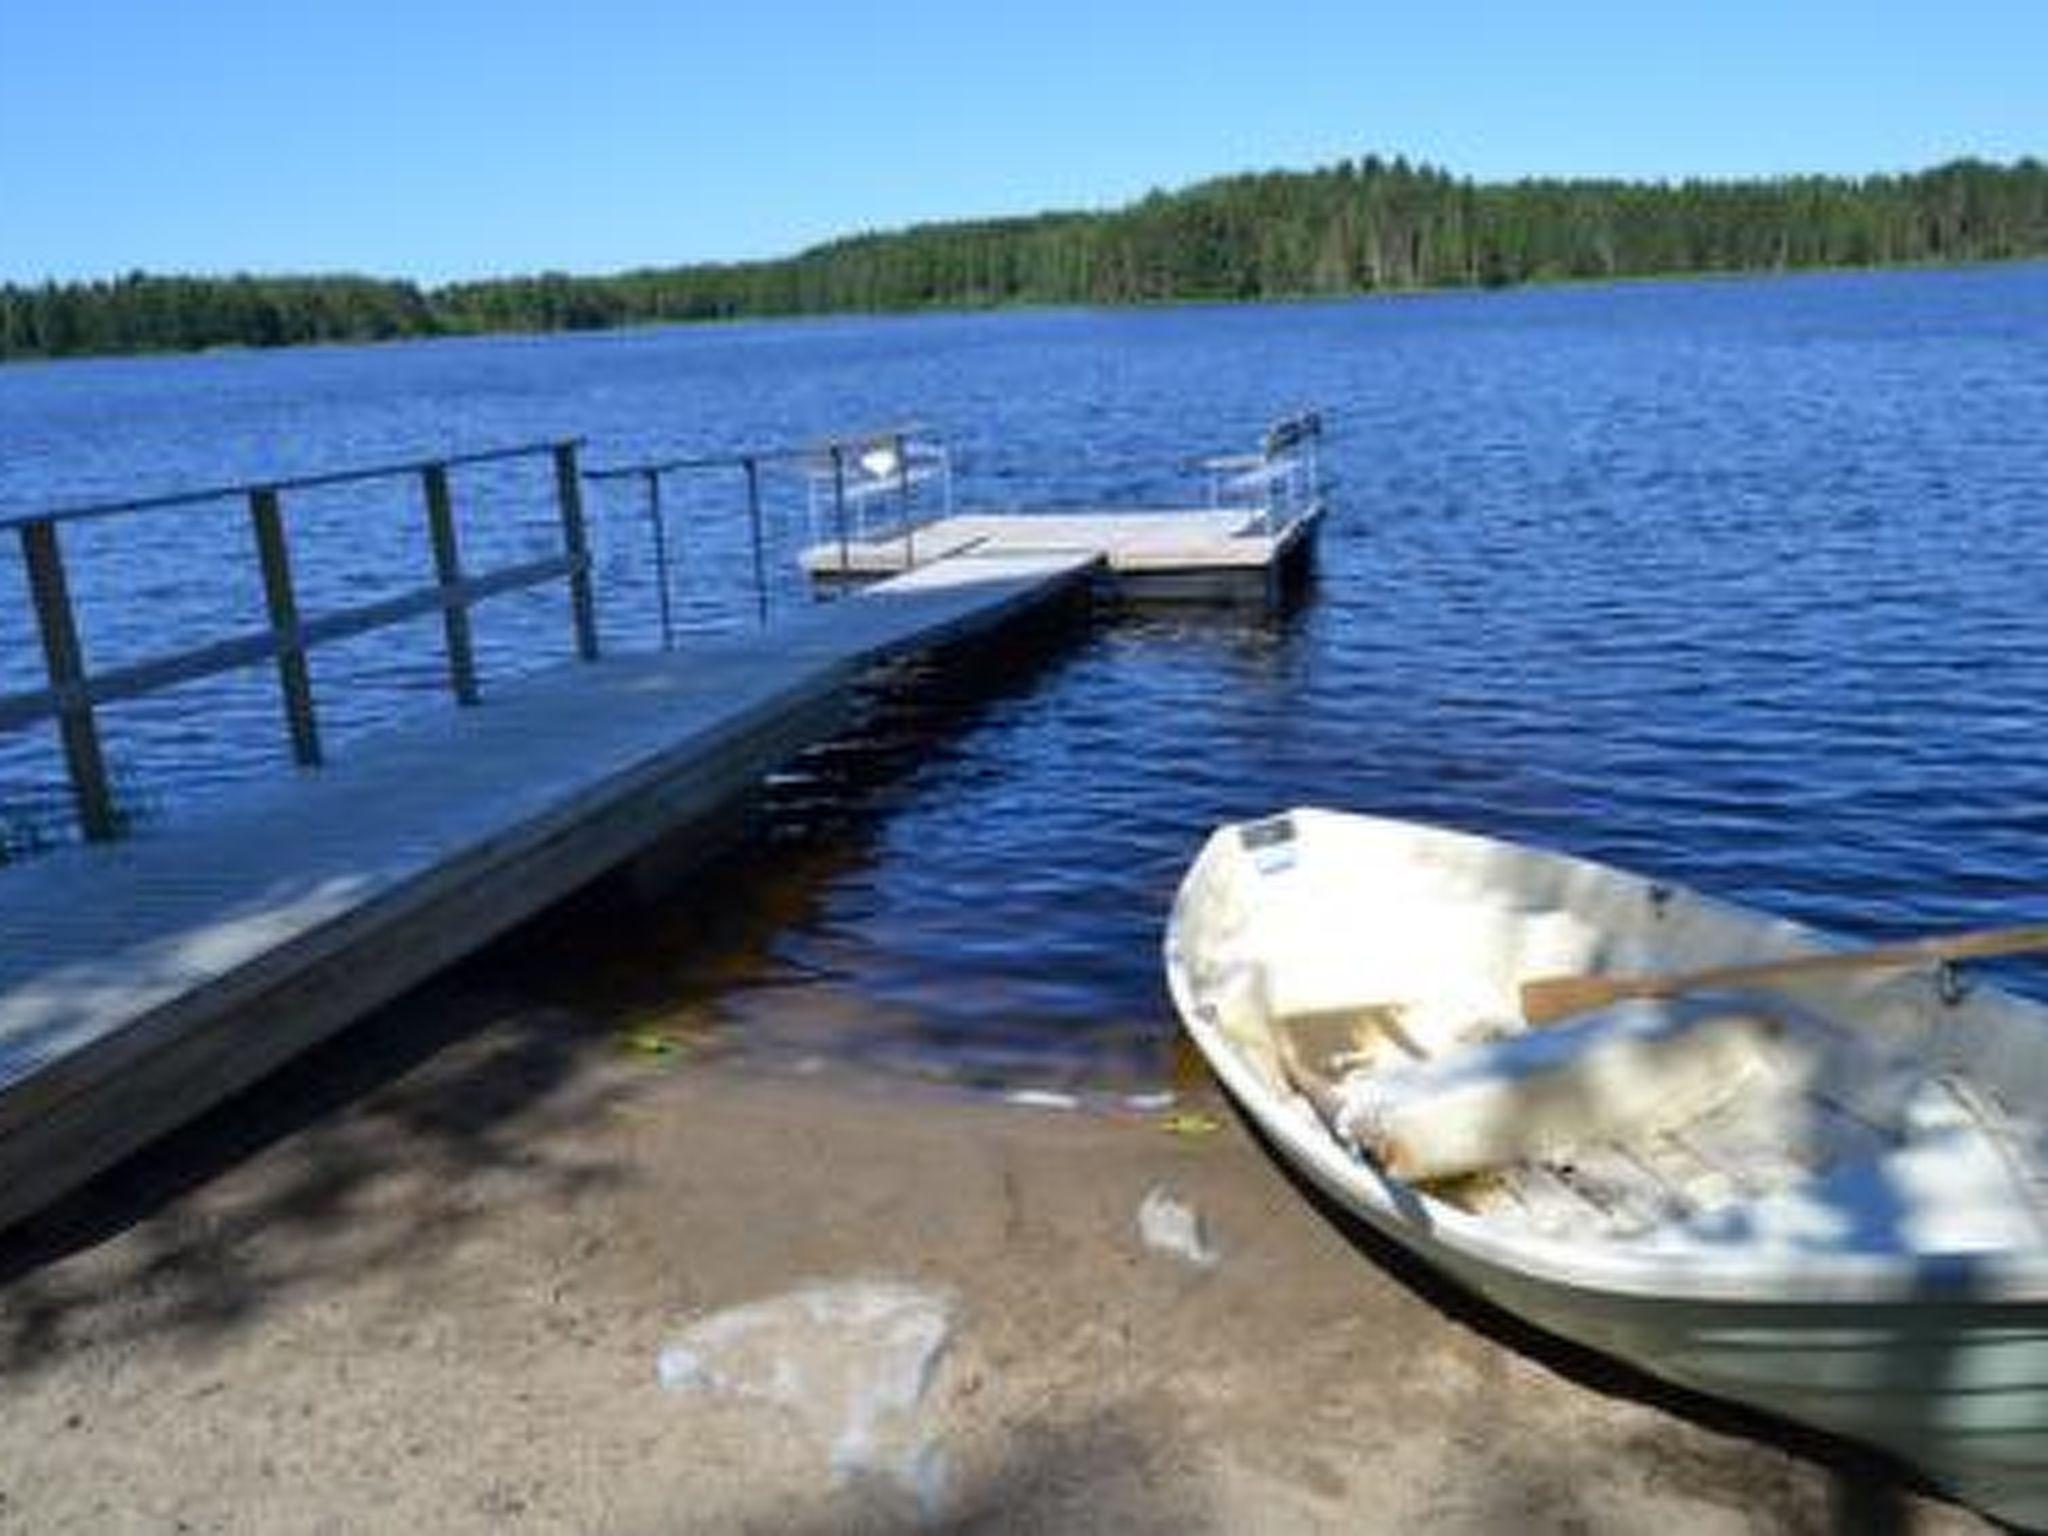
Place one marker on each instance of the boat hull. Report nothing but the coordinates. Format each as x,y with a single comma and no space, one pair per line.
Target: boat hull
1959,1392
1952,1380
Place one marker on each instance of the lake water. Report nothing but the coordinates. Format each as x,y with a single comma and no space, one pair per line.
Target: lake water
1740,583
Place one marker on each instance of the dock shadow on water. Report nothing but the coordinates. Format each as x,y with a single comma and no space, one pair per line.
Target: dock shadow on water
902,904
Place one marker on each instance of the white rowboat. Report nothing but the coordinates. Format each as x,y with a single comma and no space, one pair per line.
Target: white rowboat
1828,1199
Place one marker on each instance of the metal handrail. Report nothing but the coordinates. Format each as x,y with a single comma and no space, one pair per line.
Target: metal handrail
736,458
825,457
141,678
74,694
653,472
1283,475
98,509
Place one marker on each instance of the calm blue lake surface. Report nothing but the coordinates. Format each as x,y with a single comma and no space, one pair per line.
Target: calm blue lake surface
1742,583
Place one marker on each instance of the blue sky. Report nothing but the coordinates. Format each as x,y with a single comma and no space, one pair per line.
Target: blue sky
459,139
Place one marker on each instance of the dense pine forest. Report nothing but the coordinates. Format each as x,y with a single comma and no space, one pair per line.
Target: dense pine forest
1354,227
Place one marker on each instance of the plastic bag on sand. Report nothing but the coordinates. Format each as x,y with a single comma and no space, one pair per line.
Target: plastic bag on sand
1174,1226
852,1361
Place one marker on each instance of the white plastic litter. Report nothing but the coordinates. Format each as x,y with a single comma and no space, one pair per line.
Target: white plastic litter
1042,1098
852,1361
1173,1226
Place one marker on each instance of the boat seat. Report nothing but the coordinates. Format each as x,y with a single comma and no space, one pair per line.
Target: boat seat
1621,1075
1334,1042
1443,1000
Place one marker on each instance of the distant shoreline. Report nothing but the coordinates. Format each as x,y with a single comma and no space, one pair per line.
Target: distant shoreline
1352,230
1046,306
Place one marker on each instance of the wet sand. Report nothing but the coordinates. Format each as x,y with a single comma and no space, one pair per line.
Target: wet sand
421,1282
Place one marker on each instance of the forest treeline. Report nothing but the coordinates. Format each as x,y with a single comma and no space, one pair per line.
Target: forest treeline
1354,227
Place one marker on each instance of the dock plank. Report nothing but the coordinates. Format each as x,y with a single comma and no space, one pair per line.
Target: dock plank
142,981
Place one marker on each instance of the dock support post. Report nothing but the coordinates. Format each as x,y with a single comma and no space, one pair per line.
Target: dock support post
668,623
753,466
294,681
448,572
839,511
64,661
576,544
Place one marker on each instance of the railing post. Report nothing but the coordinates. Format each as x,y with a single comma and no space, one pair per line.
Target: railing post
1266,490
839,511
294,682
448,572
754,524
576,544
668,626
64,661
903,492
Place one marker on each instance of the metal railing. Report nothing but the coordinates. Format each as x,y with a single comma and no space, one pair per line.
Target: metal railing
75,694
844,471
1282,481
853,477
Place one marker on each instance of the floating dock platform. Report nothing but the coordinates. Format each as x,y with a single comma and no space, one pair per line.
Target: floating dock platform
1250,543
1203,555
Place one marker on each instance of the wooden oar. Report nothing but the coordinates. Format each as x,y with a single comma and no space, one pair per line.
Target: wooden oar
1550,998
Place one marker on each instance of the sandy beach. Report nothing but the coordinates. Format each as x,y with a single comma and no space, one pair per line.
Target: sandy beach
425,1280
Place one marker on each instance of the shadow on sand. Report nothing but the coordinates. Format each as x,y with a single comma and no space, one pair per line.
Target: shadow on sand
1868,1489
371,1145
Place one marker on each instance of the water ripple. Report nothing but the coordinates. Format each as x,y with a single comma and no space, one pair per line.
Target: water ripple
1738,583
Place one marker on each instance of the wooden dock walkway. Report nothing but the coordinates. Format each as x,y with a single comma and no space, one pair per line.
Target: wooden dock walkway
142,981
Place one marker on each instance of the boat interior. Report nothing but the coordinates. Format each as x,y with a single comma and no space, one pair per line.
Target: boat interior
1372,970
